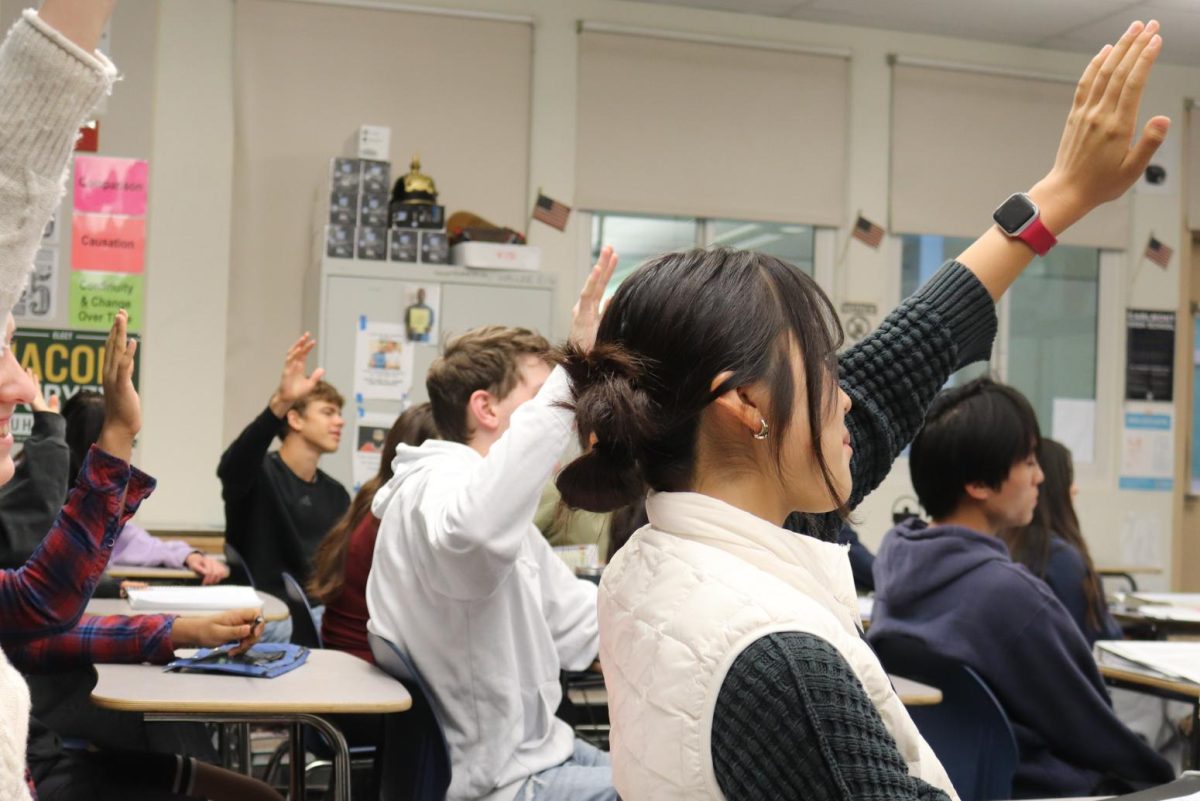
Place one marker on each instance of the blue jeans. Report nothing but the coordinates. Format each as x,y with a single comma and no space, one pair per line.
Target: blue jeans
586,776
281,630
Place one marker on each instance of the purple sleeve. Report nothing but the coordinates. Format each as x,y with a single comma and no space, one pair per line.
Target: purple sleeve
135,546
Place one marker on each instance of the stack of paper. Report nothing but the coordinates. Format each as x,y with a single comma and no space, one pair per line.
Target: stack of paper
579,556
1180,660
1185,599
193,599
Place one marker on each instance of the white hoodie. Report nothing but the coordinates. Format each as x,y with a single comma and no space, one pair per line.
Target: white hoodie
464,582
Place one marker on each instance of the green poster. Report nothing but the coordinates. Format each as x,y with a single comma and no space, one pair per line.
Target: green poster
97,297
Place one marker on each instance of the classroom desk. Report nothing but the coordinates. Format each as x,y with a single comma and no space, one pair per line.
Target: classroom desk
914,693
1159,686
273,608
144,573
1128,611
330,682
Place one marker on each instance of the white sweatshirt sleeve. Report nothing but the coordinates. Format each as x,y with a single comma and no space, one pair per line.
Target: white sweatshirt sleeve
475,528
48,85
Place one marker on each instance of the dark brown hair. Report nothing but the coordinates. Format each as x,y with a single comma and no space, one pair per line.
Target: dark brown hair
484,358
412,427
1055,516
322,391
672,327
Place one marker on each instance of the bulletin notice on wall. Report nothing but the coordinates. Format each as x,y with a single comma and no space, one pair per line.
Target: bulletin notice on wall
1148,447
1149,355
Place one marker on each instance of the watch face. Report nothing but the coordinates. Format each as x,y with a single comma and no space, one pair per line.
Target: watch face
1014,213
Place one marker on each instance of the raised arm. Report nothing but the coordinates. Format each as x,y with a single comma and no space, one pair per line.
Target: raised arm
50,80
48,594
238,469
475,526
1097,158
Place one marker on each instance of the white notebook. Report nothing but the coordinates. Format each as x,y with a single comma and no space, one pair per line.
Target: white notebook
1177,659
194,599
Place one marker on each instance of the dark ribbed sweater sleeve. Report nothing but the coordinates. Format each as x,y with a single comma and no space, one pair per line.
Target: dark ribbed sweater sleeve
37,491
793,721
894,374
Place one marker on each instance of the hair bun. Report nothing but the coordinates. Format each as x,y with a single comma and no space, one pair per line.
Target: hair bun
615,418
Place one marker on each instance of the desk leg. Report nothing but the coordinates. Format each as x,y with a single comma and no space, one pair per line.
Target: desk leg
1195,735
223,744
341,755
296,761
245,758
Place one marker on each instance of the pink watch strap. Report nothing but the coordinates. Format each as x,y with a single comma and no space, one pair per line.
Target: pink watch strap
1038,237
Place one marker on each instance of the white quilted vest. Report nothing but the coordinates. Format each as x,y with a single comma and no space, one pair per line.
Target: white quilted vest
682,600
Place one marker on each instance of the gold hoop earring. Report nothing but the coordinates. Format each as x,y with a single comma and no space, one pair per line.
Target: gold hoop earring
764,431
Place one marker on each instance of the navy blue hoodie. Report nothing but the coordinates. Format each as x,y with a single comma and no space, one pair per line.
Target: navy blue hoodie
959,592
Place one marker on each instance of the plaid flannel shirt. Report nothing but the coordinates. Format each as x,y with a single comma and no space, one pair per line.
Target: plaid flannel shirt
48,595
111,639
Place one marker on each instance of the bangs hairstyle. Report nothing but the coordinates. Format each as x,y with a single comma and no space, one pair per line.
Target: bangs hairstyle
973,434
672,327
322,392
486,358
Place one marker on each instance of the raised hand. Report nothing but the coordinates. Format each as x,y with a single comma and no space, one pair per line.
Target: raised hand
295,383
39,402
81,21
585,317
122,406
1098,159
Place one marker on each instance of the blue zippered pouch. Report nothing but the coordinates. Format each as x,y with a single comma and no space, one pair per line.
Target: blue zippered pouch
264,660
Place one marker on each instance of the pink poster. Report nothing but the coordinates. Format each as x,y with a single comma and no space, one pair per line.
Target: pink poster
111,186
108,243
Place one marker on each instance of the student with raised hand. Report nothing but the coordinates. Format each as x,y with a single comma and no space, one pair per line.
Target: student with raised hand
1052,547
952,585
343,559
280,505
47,467
731,648
467,585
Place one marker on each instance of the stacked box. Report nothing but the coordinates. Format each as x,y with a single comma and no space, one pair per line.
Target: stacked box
358,209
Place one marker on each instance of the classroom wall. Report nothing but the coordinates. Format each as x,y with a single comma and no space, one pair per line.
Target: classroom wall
193,95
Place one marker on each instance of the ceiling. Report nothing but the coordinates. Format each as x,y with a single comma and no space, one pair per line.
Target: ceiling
1080,25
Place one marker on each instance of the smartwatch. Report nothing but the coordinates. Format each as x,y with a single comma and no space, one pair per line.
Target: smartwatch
1020,218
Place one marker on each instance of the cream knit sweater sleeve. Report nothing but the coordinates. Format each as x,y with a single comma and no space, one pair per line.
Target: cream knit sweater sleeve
14,730
48,85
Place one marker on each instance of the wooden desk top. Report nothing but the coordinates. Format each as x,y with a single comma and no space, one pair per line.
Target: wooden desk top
145,572
914,693
1150,680
329,682
273,608
1143,570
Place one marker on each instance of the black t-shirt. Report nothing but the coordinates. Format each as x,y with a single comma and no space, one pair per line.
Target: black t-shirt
273,518
312,506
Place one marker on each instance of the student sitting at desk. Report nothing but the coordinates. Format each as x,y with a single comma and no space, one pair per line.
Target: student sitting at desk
343,559
732,649
47,467
280,505
953,586
467,585
1053,548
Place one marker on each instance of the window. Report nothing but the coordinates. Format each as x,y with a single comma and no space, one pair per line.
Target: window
638,239
1046,346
